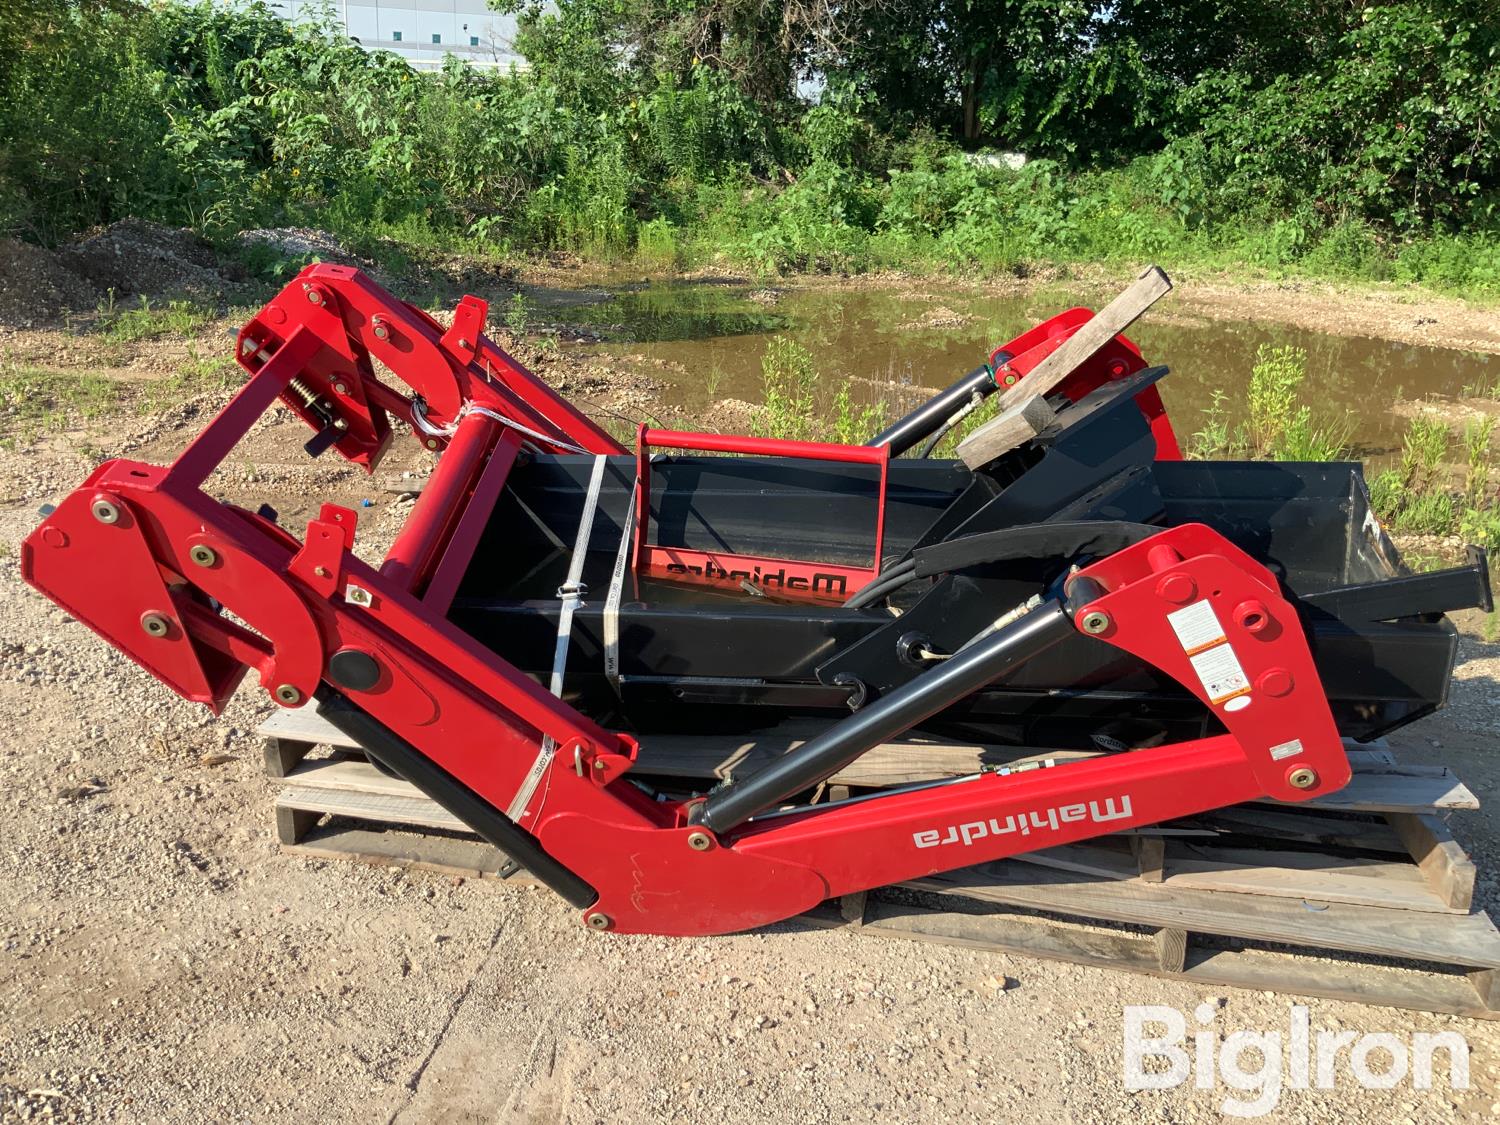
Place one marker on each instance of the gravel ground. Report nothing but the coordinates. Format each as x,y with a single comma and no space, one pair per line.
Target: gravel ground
159,960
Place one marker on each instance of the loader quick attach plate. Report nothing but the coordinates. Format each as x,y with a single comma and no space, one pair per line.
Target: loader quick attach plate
1178,637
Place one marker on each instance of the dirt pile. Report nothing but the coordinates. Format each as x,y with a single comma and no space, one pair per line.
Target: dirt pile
129,259
36,288
298,245
137,258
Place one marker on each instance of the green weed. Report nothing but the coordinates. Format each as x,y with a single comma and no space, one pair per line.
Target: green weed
1477,457
517,315
1215,439
792,408
1422,450
1274,380
789,385
195,376
34,401
854,424
1347,142
1278,427
1420,497
147,322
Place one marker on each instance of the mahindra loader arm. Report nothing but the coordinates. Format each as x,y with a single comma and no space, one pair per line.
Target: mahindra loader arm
555,788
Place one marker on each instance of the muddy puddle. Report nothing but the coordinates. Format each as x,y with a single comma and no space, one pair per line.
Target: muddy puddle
703,340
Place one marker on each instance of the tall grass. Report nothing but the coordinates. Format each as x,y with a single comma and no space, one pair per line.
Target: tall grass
795,404
1278,426
1427,494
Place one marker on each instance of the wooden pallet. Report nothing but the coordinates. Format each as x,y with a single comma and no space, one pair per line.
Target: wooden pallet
1369,873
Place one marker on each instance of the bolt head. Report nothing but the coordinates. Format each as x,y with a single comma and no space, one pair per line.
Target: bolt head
1302,778
155,624
382,332
432,443
598,921
105,511
314,296
700,841
340,388
1275,681
203,555
1095,621
287,694
1177,587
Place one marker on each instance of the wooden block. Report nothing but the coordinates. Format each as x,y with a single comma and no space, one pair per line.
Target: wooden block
1444,864
852,907
292,823
1150,286
304,724
1486,984
1012,427
1171,949
1150,857
985,444
283,754
1399,789
1206,866
1330,830
1379,785
351,776
1013,934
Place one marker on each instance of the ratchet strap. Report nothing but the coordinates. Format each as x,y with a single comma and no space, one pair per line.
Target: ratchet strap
571,593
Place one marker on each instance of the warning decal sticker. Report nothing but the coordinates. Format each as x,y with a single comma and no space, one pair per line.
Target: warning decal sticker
1197,627
1220,673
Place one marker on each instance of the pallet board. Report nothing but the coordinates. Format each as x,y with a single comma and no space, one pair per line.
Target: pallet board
1374,875
1380,784
1168,954
1323,876
1170,951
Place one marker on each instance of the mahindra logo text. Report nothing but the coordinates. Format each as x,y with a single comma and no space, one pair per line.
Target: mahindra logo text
829,585
1111,808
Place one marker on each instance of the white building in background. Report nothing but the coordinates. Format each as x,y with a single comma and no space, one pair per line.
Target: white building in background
420,31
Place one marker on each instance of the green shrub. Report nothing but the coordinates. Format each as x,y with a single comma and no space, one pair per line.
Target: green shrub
789,387
1351,142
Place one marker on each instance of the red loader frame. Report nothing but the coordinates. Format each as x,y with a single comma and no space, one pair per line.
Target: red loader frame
545,781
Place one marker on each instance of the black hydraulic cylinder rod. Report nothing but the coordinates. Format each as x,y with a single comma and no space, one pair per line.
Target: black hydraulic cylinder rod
925,419
402,758
1006,648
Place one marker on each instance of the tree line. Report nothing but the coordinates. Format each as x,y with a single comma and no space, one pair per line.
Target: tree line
1341,136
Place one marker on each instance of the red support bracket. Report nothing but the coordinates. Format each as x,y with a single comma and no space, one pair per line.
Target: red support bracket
1118,359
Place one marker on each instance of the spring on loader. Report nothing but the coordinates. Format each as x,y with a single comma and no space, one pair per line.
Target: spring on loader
302,391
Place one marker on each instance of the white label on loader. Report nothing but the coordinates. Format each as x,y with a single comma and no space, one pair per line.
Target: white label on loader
1220,673
1197,627
1286,750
